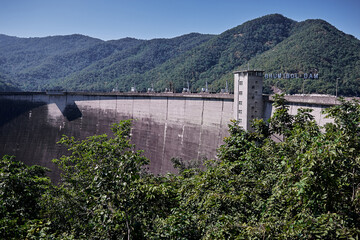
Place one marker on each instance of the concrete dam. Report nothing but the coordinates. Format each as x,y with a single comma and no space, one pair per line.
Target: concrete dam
189,126
166,125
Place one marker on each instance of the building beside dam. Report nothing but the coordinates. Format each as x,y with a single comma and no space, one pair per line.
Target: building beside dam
165,125
248,97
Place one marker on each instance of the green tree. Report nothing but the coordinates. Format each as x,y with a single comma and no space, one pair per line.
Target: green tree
21,189
105,192
303,187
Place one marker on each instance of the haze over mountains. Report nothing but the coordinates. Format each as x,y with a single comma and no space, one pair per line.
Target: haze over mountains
273,43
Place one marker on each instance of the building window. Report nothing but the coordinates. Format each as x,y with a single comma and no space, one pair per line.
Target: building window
241,82
240,111
240,92
240,120
253,87
240,102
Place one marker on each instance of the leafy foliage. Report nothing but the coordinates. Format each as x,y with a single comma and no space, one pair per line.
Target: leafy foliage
105,193
304,187
21,188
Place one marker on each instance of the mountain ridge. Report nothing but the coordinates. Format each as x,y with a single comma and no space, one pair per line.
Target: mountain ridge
272,43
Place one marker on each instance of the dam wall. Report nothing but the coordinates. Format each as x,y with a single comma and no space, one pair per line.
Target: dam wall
189,126
317,103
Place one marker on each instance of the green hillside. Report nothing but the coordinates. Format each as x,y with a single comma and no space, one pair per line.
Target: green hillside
314,47
273,43
23,59
61,66
6,85
222,54
78,62
125,68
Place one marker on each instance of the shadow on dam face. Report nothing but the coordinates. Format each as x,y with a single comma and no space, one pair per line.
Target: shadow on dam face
71,112
27,132
11,109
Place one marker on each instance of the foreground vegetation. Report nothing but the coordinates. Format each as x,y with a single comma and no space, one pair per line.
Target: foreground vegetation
304,187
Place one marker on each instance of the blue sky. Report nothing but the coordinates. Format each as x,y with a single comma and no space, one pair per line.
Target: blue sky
148,19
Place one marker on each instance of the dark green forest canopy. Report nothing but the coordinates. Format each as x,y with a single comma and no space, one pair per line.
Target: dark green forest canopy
272,43
306,186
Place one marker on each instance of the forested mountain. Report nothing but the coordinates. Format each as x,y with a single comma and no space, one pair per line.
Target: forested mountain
7,85
125,68
28,61
315,46
224,53
273,43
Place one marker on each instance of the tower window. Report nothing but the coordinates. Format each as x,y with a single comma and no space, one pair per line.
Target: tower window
240,111
240,102
240,92
241,82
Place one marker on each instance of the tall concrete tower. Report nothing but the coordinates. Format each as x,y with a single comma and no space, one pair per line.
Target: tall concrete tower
248,101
